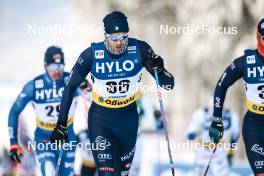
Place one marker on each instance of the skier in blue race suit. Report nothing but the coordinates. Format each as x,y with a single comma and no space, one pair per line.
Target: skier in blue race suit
116,66
44,92
250,67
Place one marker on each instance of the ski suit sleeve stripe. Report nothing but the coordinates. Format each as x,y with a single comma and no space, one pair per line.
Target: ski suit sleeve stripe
166,79
25,96
232,73
80,70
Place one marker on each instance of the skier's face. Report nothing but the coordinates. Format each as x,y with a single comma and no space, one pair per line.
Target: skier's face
55,71
118,41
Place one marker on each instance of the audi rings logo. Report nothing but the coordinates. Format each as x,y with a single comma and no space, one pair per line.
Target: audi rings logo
104,156
259,164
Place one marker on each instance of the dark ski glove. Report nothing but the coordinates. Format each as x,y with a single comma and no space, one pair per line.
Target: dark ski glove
60,133
16,153
216,130
155,61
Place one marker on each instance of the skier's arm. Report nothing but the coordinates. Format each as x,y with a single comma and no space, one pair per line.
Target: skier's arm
166,79
26,95
229,77
80,70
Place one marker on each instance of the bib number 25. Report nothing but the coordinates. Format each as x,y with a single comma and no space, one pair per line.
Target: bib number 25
52,109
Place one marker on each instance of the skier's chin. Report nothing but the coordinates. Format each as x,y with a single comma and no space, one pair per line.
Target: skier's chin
118,49
56,76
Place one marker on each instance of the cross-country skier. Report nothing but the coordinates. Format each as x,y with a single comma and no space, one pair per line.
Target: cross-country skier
250,67
45,92
116,66
198,128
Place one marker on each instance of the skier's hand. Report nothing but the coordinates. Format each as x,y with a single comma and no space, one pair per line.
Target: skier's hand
216,130
60,133
16,153
156,62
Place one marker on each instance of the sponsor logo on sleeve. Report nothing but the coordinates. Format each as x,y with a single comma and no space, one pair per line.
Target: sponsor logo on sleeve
217,102
80,60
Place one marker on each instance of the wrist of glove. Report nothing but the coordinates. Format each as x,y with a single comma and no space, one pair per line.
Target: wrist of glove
60,133
216,130
16,153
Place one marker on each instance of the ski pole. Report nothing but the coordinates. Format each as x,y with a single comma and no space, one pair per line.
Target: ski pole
164,121
59,161
210,160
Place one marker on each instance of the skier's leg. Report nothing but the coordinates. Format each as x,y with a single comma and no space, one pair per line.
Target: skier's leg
135,168
101,137
88,170
68,156
126,140
47,160
253,127
88,167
